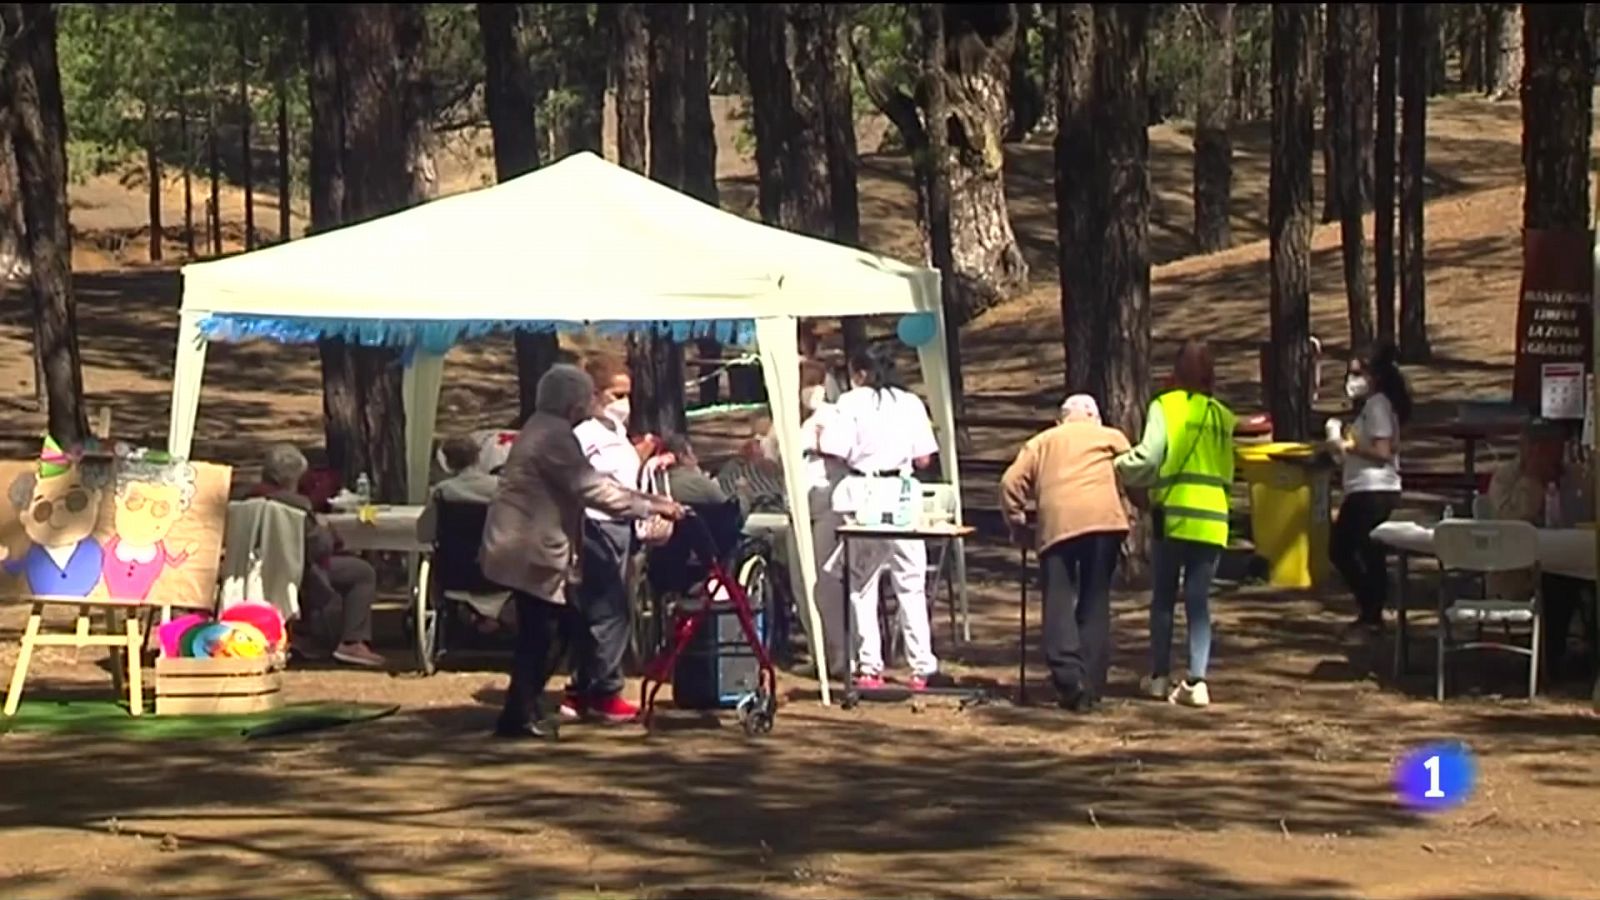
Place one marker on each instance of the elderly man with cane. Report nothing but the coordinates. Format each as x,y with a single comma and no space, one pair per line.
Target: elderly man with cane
533,534
1067,470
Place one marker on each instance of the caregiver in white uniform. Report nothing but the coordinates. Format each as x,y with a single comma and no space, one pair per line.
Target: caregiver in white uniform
880,429
823,474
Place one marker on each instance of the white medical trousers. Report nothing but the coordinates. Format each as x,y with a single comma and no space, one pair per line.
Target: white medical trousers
906,561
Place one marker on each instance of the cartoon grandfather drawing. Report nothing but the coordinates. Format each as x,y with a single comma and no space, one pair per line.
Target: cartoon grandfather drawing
150,498
59,507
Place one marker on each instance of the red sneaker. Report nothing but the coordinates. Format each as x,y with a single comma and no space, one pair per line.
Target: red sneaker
573,705
869,682
613,710
917,683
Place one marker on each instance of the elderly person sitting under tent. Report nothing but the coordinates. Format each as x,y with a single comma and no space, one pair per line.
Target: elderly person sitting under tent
336,592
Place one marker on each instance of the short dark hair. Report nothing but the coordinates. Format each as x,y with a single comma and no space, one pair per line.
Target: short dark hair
678,445
460,453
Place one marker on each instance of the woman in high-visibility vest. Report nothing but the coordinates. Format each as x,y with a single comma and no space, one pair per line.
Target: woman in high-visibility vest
1186,457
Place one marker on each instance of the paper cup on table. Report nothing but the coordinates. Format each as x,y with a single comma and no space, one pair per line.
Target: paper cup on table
1334,429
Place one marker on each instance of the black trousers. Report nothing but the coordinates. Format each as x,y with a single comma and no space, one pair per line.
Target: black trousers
1077,610
1563,597
601,625
1360,559
537,621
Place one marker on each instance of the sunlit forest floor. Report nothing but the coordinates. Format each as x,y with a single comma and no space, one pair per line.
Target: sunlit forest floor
1280,790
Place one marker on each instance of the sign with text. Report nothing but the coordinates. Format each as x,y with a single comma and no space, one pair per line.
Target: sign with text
1554,317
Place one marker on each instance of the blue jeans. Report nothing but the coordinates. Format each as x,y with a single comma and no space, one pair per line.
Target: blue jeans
1196,563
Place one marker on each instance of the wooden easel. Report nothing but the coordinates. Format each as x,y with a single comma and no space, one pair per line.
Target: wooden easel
126,643
126,639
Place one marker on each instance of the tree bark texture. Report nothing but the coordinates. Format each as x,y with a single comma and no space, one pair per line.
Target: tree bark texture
938,201
246,157
14,265
1414,29
1213,145
699,136
1027,101
1469,46
285,188
1556,117
1078,194
766,63
511,101
1384,170
632,74
215,152
1350,64
1327,67
1506,65
186,142
844,199
30,87
152,167
656,361
1289,218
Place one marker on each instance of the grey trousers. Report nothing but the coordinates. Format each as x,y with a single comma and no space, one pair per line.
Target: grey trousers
600,626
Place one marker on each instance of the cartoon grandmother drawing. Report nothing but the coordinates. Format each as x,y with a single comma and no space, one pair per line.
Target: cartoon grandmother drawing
150,499
59,507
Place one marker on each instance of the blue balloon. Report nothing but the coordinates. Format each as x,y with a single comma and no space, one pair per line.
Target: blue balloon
917,329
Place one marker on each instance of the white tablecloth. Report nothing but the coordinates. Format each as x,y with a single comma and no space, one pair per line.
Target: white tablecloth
1562,551
395,528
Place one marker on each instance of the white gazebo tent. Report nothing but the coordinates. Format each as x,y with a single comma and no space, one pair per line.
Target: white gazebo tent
578,243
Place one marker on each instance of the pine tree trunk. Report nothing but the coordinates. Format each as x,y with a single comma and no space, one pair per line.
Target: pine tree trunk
939,216
285,188
1556,117
656,361
1414,29
1332,103
989,265
1506,65
512,103
152,166
766,63
699,136
1289,218
1213,146
1026,100
1433,50
14,266
30,88
1384,170
844,198
807,186
1350,62
1078,190
189,240
246,156
632,65
341,409
1469,46
581,72
216,176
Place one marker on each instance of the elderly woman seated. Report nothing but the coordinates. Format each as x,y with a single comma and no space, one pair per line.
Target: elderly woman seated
465,482
336,592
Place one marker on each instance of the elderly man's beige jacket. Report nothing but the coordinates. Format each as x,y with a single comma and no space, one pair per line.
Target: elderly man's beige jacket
534,528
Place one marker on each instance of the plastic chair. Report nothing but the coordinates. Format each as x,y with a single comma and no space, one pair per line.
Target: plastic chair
1482,547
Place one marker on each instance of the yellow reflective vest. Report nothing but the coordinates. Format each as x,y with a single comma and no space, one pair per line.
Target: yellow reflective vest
1192,487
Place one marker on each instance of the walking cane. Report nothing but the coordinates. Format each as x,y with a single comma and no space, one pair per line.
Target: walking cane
1022,633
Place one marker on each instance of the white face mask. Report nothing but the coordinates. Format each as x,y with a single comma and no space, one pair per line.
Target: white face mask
1356,387
618,411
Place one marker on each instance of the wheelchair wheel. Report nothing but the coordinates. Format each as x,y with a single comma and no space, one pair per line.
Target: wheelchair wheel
425,623
649,632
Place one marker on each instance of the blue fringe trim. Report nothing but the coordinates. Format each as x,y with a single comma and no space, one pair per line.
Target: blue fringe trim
438,336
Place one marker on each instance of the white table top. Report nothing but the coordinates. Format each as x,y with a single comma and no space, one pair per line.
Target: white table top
393,528
1562,551
931,532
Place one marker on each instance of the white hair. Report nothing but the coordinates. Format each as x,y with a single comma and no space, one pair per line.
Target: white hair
175,474
563,389
282,465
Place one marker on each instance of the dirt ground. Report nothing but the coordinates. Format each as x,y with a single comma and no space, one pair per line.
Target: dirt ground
1281,790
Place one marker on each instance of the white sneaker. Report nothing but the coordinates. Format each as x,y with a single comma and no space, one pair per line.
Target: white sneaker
1156,686
1186,694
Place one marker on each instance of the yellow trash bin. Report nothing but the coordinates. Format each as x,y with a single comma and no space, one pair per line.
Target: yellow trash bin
1289,511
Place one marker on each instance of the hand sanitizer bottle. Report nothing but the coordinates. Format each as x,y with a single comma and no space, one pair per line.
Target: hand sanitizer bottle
364,488
909,494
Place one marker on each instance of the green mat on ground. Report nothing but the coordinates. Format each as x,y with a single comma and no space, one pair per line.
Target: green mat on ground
107,717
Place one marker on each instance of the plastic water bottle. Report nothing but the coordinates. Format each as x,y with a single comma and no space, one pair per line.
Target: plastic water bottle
364,488
1449,512
909,495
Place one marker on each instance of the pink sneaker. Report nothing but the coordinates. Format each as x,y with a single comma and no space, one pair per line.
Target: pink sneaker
573,706
613,710
917,683
869,682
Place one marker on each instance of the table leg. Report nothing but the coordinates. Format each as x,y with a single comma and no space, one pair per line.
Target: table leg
119,659
1470,447
850,697
1402,641
135,666
19,672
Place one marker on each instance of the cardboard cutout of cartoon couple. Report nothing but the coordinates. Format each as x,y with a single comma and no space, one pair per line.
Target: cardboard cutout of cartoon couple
129,530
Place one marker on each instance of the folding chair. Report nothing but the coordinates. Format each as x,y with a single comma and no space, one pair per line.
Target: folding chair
1482,547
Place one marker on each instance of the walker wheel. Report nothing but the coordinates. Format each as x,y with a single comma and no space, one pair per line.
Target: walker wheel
757,710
